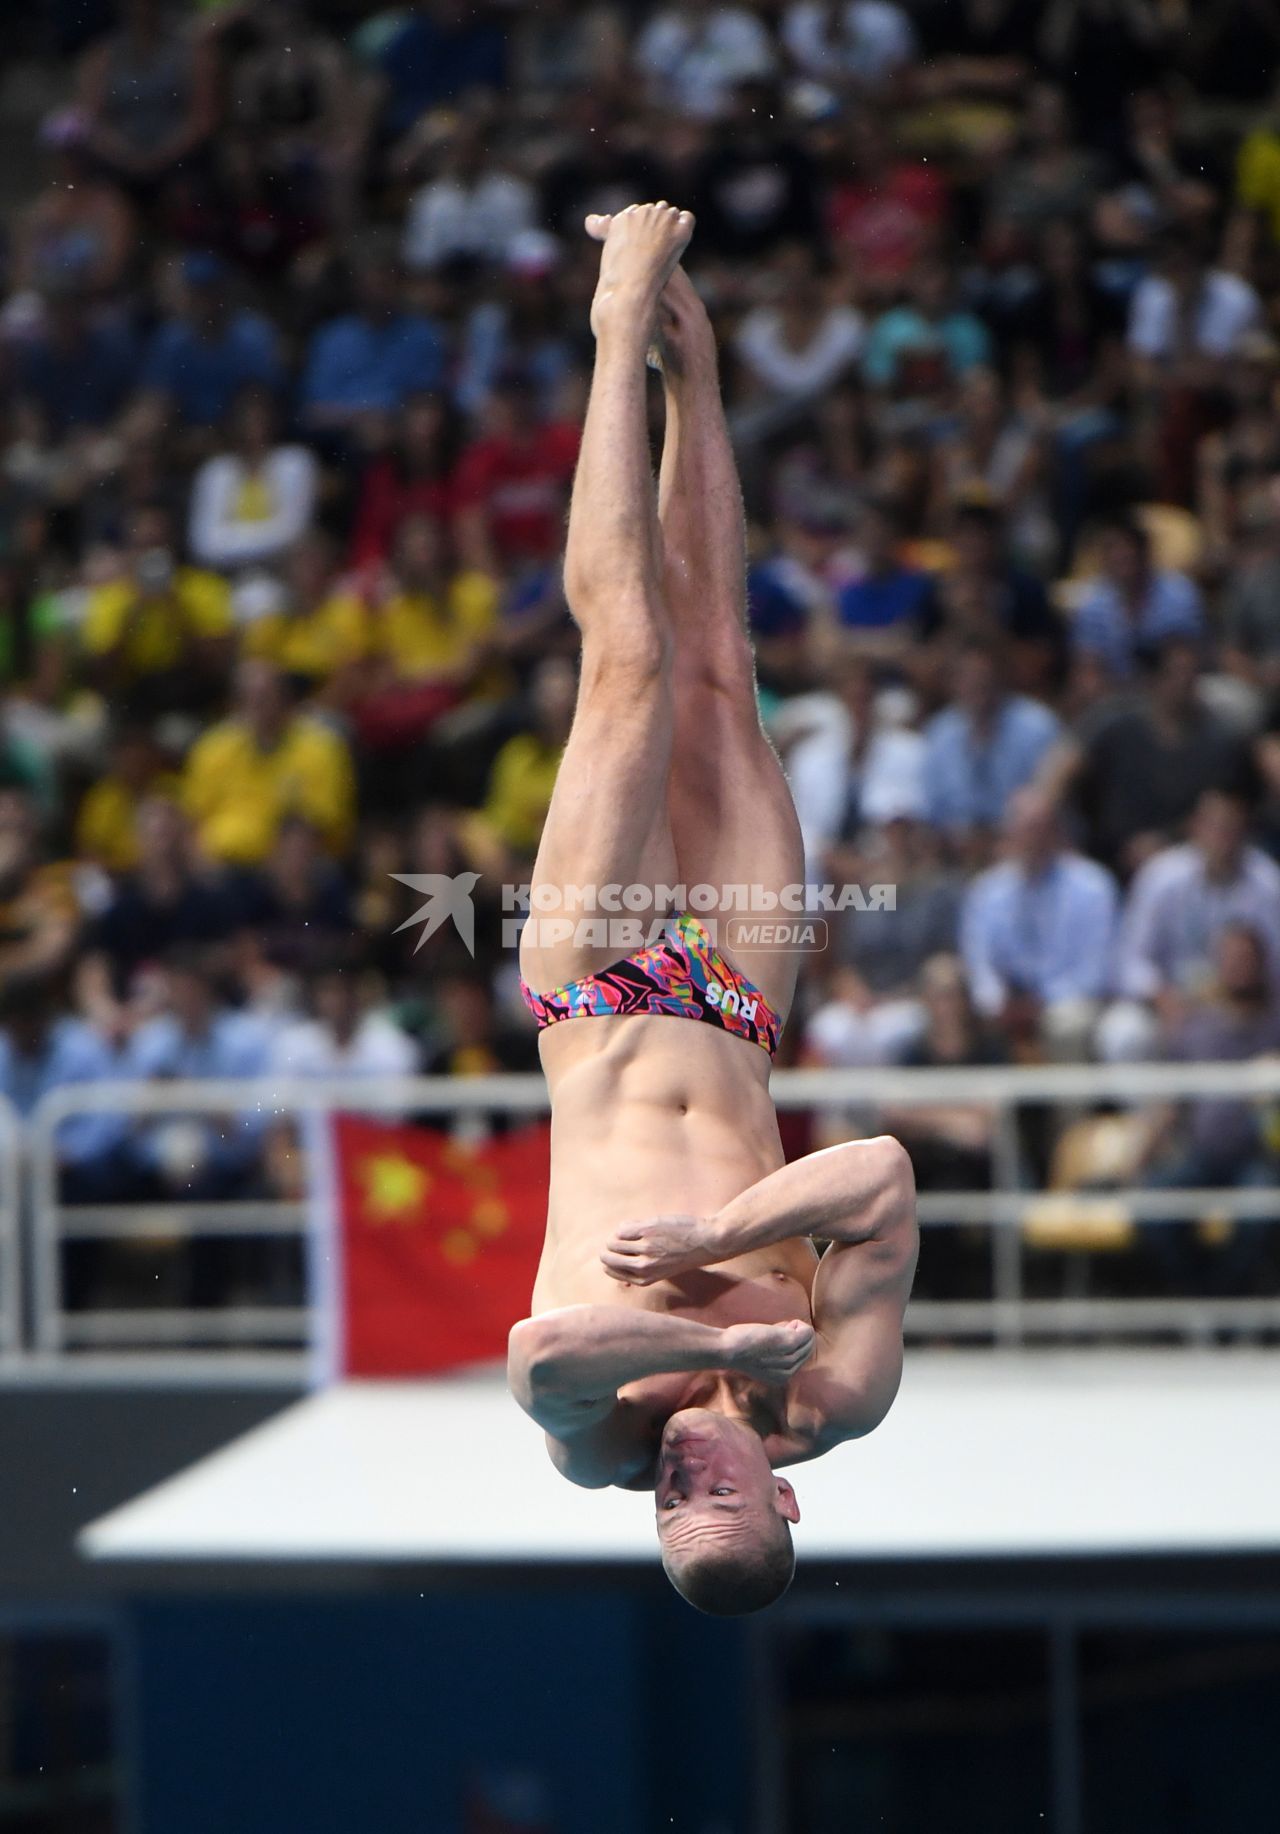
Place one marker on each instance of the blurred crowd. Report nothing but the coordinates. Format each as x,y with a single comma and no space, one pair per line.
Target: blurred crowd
293,354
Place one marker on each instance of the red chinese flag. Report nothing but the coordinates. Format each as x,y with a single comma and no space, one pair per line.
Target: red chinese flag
439,1243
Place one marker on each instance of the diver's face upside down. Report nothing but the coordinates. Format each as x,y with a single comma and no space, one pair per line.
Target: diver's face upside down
722,1514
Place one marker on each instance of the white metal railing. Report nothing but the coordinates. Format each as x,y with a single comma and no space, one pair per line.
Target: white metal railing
1008,1316
11,1170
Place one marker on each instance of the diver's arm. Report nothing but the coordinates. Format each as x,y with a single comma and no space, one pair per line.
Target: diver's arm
565,1367
859,1192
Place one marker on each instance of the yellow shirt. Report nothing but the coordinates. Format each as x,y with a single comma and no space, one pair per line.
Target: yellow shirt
106,829
313,643
238,795
153,631
520,786
425,636
1258,175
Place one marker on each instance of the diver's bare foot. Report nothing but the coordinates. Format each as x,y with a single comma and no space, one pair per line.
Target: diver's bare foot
642,245
685,337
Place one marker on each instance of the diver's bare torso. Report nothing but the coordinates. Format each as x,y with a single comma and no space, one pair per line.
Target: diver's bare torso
679,1274
654,1115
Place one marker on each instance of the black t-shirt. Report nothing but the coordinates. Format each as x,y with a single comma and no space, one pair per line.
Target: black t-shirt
596,180
1020,605
1065,334
1137,779
1236,57
749,197
1105,62
977,28
136,928
293,935
986,1048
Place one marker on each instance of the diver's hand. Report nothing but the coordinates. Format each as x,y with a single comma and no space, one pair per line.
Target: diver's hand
638,1254
770,1353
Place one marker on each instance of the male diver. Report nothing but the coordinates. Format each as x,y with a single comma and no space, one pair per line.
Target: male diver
685,1335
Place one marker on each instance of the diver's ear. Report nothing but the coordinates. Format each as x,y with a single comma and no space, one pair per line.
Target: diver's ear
785,1500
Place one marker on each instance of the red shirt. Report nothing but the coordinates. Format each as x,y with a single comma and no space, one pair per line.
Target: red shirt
886,225
523,486
386,500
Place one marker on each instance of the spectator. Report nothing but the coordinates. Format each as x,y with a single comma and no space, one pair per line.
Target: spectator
981,594
416,476
204,1157
802,344
1049,175
994,456
1138,763
150,98
437,53
162,903
305,110
1037,932
371,360
694,57
315,630
202,358
1133,605
472,208
884,210
861,45
158,634
983,748
562,50
513,486
1251,604
252,502
522,339
915,351
40,907
888,599
1067,324
465,1037
106,830
344,1033
292,909
78,371
753,182
1176,909
1107,47
872,1013
851,761
1216,1144
950,1142
1189,310
502,835
244,777
432,624
79,231
42,1049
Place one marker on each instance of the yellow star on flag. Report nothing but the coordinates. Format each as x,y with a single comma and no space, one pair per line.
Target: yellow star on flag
394,1188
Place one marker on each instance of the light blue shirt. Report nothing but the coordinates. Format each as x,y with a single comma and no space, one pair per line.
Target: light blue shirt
968,780
359,367
1105,627
904,332
73,1053
235,1045
1175,913
1050,936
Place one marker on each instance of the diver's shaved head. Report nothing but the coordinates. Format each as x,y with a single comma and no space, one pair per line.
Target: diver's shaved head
729,1579
723,1516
